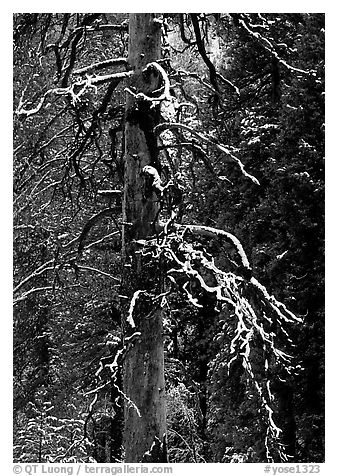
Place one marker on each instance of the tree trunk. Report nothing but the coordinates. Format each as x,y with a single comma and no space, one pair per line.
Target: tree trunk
143,379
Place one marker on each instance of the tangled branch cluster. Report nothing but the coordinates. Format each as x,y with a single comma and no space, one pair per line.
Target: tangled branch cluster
251,312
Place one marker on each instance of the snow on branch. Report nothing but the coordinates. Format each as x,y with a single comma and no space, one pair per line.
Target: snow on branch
75,91
278,307
157,447
98,271
181,73
114,367
21,111
110,193
224,235
96,80
214,75
130,318
228,82
124,26
115,234
268,46
41,269
101,65
166,86
208,140
32,291
129,402
152,172
260,324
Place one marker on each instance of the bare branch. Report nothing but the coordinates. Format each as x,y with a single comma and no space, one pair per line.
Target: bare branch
110,193
175,125
41,269
91,222
82,85
269,48
108,27
203,53
101,65
32,291
200,230
101,240
256,313
130,318
99,271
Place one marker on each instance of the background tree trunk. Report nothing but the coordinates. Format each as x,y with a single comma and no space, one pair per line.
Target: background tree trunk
145,421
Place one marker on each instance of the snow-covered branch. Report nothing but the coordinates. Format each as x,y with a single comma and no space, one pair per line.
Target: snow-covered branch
130,318
211,232
75,91
251,311
98,271
214,75
181,73
269,47
207,140
106,212
101,65
37,272
21,111
107,27
278,307
32,291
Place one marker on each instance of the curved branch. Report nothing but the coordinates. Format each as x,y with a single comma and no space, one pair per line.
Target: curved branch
98,271
123,27
268,46
32,291
87,20
211,232
175,125
90,81
203,53
91,222
214,75
226,236
41,269
278,307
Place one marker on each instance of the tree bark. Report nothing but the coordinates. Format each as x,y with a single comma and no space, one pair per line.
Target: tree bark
143,378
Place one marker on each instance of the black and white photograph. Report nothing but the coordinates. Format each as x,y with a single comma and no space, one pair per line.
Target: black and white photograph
168,240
